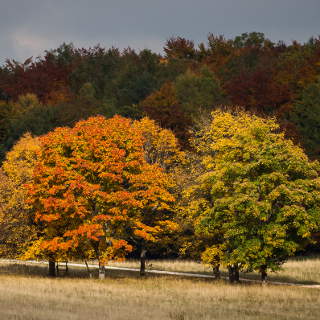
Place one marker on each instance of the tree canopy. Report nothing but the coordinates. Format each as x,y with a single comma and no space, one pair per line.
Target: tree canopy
93,190
257,200
17,225
249,70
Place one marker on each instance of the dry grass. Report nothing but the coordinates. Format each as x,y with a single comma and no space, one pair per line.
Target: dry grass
167,265
303,270
297,270
27,297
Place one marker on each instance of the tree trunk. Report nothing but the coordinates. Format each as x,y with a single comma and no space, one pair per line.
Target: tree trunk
216,272
89,273
52,268
264,274
231,274
143,256
103,244
102,271
236,274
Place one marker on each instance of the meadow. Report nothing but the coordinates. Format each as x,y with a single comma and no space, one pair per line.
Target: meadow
26,293
302,269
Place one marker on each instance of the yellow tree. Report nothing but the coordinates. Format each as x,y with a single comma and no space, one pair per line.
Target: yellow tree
16,222
161,148
258,198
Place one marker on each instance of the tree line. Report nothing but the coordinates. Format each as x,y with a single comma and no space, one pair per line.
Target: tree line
175,88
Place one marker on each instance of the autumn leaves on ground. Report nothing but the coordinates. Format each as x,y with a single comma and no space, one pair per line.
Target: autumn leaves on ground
187,168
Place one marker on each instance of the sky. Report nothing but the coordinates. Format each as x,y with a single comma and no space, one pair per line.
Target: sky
28,27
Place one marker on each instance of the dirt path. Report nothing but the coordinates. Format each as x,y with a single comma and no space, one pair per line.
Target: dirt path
161,272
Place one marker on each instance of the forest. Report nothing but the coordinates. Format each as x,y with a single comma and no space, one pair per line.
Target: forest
208,151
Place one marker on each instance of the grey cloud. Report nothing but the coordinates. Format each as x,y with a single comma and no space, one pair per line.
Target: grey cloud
30,26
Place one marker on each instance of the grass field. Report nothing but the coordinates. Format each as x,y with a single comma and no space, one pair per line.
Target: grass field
26,294
297,270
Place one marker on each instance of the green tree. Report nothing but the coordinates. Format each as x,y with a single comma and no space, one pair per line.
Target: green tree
305,115
200,91
27,114
258,199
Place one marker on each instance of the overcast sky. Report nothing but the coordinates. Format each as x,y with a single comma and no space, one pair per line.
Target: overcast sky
28,27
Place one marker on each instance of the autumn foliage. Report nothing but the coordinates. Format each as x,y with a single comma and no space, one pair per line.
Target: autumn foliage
93,189
255,201
127,158
18,228
250,71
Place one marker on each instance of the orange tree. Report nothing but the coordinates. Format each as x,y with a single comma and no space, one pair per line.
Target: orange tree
93,190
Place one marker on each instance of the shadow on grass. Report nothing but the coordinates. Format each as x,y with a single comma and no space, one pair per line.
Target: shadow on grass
41,271
73,272
21,269
277,277
81,272
272,277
